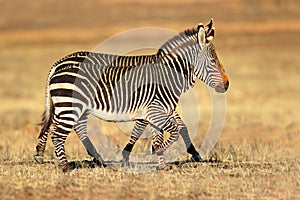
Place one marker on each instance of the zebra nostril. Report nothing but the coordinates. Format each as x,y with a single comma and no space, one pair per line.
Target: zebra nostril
226,85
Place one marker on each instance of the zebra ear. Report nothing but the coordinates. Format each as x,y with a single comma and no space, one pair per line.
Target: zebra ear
210,35
209,26
201,36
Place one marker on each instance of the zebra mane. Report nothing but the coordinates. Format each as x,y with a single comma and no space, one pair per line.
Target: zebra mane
189,35
182,38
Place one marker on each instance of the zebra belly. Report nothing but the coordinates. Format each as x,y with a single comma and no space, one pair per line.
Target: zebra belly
119,116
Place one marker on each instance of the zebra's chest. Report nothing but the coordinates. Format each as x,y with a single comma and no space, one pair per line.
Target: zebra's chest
119,116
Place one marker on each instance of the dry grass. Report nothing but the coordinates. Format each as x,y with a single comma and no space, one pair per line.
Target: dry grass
243,169
258,154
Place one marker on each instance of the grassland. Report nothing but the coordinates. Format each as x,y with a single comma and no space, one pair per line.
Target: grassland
258,153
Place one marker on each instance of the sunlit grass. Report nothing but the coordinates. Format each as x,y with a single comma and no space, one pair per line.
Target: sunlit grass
256,157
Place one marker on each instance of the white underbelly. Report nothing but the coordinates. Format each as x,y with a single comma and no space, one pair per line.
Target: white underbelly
119,117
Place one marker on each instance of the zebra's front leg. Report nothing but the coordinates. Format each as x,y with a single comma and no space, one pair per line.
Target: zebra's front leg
190,147
162,145
159,145
138,130
159,119
183,131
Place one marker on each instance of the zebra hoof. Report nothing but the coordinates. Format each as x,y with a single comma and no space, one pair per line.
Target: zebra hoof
69,167
39,159
164,168
125,163
196,158
99,163
125,154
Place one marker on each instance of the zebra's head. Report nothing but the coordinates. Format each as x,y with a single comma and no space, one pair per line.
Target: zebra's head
208,67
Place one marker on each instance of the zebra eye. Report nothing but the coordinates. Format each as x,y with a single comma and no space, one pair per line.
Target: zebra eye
213,54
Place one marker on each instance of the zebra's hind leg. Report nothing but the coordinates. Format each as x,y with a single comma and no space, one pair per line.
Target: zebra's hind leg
127,150
59,136
138,130
40,147
42,141
81,130
62,126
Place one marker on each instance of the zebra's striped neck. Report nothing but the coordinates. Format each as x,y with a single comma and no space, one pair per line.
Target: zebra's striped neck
183,38
180,53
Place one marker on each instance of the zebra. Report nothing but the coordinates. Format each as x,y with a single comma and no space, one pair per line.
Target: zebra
69,102
115,60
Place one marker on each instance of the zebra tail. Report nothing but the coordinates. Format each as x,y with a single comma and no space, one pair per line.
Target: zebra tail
46,117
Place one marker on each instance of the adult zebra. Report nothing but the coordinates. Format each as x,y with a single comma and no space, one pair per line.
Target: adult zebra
74,90
140,125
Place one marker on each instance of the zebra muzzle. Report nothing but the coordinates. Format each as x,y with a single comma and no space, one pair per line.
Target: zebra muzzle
219,88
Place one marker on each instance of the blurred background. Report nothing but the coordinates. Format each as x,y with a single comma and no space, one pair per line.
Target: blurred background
257,41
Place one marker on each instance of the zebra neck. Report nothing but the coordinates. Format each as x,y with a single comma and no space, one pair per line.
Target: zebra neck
181,62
